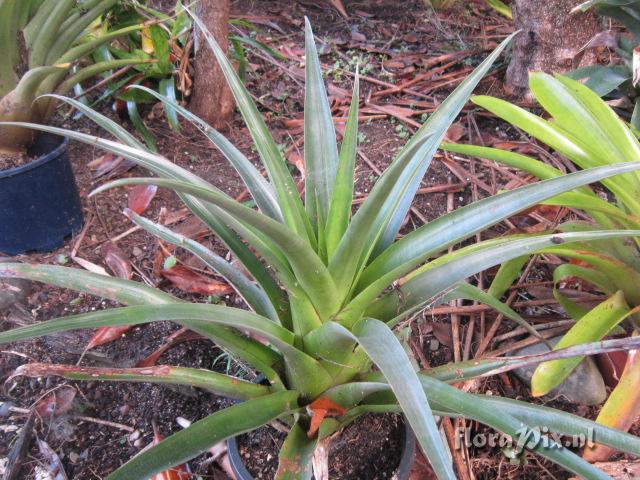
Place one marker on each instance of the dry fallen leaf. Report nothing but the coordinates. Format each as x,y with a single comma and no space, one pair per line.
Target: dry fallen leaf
454,133
192,282
140,197
90,266
116,260
120,265
53,465
56,403
106,335
110,165
442,331
297,161
177,337
337,4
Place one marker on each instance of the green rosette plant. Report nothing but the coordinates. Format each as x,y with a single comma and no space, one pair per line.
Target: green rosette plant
325,288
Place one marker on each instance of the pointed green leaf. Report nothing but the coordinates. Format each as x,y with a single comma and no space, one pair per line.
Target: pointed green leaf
387,353
167,87
428,282
217,383
252,294
203,434
320,149
209,214
117,289
296,455
342,198
591,327
415,247
261,191
138,123
288,198
382,212
307,266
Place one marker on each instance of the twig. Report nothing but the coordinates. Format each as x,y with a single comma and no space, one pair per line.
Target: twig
512,296
471,309
543,326
593,348
547,334
455,318
113,76
444,188
104,422
378,172
456,453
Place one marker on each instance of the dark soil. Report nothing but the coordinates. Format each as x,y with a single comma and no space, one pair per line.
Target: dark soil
369,448
13,160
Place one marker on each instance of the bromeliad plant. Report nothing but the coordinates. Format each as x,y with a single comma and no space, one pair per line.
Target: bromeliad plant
54,36
326,290
586,131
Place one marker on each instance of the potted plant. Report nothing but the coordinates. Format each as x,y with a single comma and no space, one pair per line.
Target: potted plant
43,42
325,292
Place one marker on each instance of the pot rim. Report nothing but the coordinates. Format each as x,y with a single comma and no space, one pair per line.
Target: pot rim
53,154
402,471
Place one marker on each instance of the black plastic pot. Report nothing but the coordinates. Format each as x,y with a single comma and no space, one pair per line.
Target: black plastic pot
39,201
404,468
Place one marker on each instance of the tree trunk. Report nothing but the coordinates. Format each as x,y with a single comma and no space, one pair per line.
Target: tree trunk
550,37
212,99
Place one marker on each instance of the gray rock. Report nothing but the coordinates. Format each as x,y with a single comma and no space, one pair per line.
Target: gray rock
13,290
584,386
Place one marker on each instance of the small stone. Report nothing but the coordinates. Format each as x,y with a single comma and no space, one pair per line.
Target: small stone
136,251
434,344
134,435
74,457
183,422
138,443
40,473
5,409
584,386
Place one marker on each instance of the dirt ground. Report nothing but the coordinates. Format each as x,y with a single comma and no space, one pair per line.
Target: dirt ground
410,60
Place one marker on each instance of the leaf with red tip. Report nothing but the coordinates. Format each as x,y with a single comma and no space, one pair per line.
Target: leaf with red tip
192,282
56,403
140,197
116,260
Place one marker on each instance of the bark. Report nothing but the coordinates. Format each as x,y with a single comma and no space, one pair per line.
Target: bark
550,38
212,99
